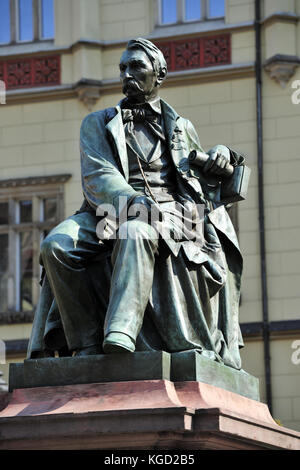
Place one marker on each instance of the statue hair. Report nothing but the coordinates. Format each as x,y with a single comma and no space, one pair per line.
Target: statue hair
155,55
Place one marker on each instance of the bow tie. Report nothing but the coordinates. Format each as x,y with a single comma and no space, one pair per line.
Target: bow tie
139,114
142,114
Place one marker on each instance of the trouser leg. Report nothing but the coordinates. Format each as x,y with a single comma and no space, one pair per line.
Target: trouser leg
133,261
65,254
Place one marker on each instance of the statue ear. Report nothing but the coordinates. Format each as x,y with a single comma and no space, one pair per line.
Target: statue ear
161,76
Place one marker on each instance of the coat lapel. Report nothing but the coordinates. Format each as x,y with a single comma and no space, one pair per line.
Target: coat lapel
175,135
116,128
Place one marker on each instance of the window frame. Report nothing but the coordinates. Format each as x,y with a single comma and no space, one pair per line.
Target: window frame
37,190
181,14
37,24
11,29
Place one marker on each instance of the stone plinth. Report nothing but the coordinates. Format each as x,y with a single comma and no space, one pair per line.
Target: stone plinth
192,366
139,415
176,367
90,369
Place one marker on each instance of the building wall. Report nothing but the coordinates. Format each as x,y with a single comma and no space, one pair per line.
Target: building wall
41,138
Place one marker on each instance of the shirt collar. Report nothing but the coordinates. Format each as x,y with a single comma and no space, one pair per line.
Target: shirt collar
154,104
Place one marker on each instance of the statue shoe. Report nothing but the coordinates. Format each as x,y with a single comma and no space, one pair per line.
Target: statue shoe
88,351
118,343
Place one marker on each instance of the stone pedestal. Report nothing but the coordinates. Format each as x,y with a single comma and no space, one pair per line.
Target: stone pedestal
184,366
133,413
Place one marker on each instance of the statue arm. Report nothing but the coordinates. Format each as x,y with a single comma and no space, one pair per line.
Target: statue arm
234,187
193,138
102,180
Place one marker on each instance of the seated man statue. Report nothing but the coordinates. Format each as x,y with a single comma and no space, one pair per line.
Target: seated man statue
140,289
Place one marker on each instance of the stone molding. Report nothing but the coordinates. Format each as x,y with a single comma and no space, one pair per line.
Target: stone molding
145,414
34,181
87,90
281,68
282,17
13,318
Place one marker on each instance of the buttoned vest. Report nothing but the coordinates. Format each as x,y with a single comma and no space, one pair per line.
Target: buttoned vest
159,171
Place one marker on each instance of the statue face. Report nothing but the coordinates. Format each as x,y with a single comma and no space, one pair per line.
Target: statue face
138,78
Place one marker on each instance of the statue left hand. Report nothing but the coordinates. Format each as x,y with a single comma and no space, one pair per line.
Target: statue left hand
218,162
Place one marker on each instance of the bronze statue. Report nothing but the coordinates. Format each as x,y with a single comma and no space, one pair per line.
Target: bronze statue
116,284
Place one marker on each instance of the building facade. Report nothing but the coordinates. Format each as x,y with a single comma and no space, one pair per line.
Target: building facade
233,71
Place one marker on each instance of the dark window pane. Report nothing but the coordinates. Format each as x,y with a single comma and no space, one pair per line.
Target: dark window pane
3,252
25,211
47,20
26,292
26,251
3,213
25,20
4,21
26,270
192,10
216,8
50,208
169,11
3,272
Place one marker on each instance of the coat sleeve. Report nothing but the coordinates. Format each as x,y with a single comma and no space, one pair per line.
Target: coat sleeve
193,138
102,180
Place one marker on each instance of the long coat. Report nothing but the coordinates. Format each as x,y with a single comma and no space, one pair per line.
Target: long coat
195,296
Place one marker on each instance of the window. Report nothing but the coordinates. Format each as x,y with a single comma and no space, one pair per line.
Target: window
47,19
28,211
26,21
5,21
183,11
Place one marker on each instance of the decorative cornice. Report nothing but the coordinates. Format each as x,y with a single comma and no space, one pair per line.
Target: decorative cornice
34,181
11,318
208,74
281,67
101,87
88,91
280,17
281,328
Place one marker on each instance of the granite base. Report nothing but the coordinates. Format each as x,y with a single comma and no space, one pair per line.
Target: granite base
139,415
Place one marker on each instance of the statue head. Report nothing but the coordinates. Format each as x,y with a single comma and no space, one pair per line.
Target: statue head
142,70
